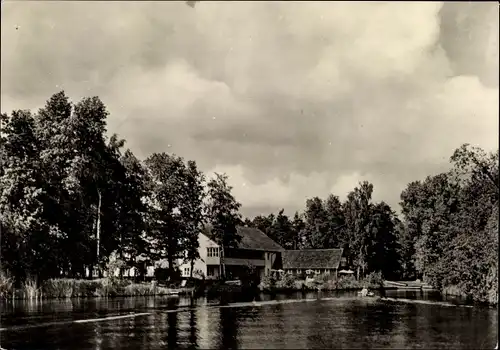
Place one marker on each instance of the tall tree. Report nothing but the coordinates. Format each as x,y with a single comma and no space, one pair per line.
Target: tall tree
336,222
222,213
26,234
406,245
357,211
191,210
316,224
167,186
132,210
282,230
383,247
298,229
429,208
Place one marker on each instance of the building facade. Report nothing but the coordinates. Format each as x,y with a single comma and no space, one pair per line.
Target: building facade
314,261
255,250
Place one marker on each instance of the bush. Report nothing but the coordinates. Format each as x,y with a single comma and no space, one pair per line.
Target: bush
30,288
286,282
59,288
6,283
325,278
374,279
267,283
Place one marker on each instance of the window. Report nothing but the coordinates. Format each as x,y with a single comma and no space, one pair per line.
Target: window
186,271
212,252
327,272
212,271
289,272
317,272
299,271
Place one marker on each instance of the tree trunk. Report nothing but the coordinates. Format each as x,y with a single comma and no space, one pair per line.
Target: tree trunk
98,231
170,267
222,265
191,269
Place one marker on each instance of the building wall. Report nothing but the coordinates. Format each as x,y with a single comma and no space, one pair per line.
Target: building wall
270,258
204,260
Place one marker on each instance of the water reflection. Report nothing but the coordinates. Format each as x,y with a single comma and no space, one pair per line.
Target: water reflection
193,334
342,321
228,328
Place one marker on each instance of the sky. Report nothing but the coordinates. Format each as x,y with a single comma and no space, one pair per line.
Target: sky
290,99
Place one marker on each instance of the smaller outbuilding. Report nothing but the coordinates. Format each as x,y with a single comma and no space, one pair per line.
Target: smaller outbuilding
313,261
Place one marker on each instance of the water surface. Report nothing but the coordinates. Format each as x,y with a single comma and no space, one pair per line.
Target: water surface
307,321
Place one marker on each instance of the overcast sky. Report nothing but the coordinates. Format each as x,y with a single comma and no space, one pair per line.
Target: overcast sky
291,100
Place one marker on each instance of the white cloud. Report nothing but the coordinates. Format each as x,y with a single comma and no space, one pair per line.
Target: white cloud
295,99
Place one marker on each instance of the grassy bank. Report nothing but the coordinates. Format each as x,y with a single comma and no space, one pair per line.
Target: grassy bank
71,288
323,282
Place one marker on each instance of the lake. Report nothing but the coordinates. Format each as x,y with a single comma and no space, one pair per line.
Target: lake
307,321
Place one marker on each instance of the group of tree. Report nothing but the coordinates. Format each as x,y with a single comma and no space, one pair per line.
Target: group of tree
71,197
447,234
450,227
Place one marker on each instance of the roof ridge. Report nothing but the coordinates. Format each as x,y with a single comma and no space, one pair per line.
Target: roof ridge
311,249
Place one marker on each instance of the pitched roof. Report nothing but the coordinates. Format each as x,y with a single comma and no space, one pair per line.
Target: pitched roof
312,259
253,239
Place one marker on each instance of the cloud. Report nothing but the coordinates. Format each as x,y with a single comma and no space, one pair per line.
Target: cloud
291,99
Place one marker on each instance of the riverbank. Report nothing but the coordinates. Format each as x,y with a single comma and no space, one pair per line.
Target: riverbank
65,288
289,283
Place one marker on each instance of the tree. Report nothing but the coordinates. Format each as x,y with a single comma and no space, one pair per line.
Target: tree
132,210
298,229
167,188
383,247
282,230
406,253
26,234
222,213
336,222
191,210
316,224
429,208
357,213
265,224
453,219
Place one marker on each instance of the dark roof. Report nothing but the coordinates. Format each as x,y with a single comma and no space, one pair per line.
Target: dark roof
312,259
253,239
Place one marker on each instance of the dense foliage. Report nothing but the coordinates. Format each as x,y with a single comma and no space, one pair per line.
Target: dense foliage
71,197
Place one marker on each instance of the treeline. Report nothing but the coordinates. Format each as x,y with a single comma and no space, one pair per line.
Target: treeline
67,189
71,197
447,234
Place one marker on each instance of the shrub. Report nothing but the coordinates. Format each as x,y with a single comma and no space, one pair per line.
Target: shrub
374,279
348,282
325,278
286,282
30,288
59,288
6,283
267,283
